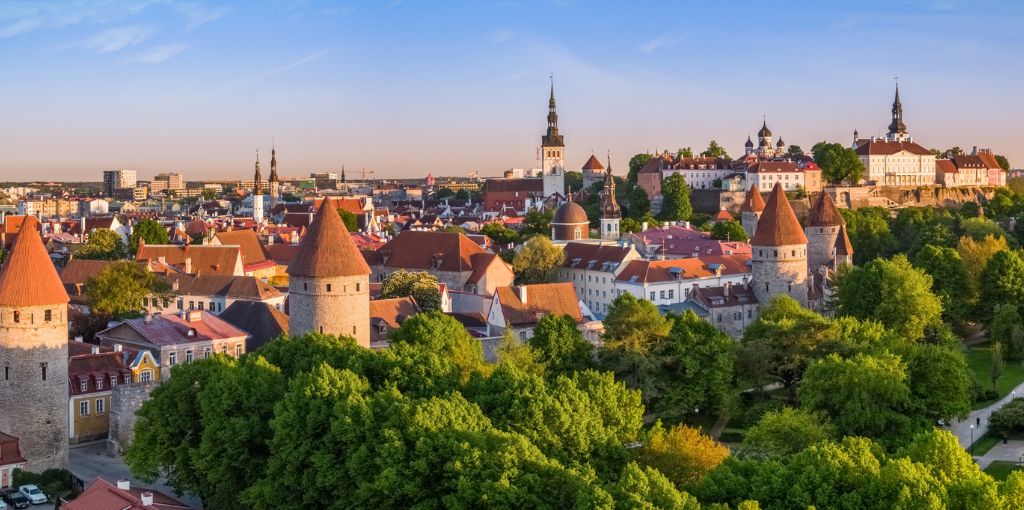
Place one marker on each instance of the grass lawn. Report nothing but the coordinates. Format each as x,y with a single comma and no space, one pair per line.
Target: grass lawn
984,444
979,358
1001,469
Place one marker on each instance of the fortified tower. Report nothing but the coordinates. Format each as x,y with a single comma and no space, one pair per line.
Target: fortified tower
779,261
751,209
34,352
329,281
823,224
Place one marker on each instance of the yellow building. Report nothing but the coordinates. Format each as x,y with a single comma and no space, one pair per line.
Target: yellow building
90,379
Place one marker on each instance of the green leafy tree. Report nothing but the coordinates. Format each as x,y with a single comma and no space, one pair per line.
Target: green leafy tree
637,162
728,231
633,329
119,289
437,334
1006,328
637,202
150,231
694,369
682,453
538,222
838,163
534,262
103,244
863,396
1002,281
715,151
995,370
980,228
868,228
940,382
560,345
350,220
444,193
780,344
794,151
420,285
892,292
949,273
685,152
500,233
462,194
1003,162
785,432
675,194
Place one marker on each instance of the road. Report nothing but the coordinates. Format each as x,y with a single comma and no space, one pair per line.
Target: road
91,461
962,429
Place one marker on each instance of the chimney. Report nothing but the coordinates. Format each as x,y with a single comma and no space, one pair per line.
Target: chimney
974,151
726,287
643,227
188,265
124,484
147,498
521,290
79,338
94,349
194,316
118,347
148,319
174,285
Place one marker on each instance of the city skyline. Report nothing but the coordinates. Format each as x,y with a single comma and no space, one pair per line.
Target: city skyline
178,86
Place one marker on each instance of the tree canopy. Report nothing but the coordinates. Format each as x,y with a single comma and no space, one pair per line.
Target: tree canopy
420,285
536,259
635,164
892,292
838,163
728,231
119,289
150,231
103,244
675,205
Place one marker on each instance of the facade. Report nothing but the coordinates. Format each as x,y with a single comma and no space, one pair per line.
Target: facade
91,377
896,160
329,282
114,180
680,242
779,252
593,172
790,175
10,459
453,258
699,172
519,308
750,211
34,352
387,315
592,268
552,150
670,282
171,181
513,196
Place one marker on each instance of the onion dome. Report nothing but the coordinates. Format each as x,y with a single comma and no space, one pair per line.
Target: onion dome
780,143
764,132
749,143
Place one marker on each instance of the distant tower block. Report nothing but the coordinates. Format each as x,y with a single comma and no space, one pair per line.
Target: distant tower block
34,352
329,281
779,261
553,152
750,211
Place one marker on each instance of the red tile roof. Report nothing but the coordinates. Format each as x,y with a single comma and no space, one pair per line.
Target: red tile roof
205,259
90,368
541,299
843,244
526,184
10,453
946,166
414,249
593,164
753,202
594,256
824,212
392,313
251,248
172,329
884,148
28,277
103,495
327,249
778,225
652,271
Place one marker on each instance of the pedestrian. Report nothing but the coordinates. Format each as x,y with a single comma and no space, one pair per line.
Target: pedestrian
977,420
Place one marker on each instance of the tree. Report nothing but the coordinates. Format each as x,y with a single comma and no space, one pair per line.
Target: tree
785,432
675,194
462,194
715,151
949,274
119,289
868,228
682,454
500,233
780,344
636,162
1003,162
350,220
103,244
538,222
150,231
863,396
892,292
685,152
628,225
941,384
633,328
997,365
429,342
638,204
838,163
693,369
560,345
980,228
1006,328
420,285
1002,281
728,231
794,152
453,229
209,193
535,260
955,151
443,193
976,255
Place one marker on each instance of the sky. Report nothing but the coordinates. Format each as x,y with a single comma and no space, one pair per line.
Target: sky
406,87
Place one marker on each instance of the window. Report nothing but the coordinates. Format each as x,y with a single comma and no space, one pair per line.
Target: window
238,350
172,358
719,318
353,330
223,348
305,286
661,295
522,335
672,294
191,305
83,386
357,287
737,316
127,378
213,306
652,295
17,316
181,304
145,301
42,368
113,381
99,383
189,356
99,405
83,408
145,375
206,352
200,305
48,315
328,287
7,373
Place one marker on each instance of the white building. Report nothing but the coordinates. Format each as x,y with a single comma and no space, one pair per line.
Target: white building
669,282
896,160
592,269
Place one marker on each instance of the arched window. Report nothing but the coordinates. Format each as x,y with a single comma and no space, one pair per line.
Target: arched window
576,235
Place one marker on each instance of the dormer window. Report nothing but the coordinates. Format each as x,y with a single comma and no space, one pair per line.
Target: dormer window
84,386
191,332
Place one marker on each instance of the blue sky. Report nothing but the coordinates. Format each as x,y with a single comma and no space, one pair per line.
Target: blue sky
403,87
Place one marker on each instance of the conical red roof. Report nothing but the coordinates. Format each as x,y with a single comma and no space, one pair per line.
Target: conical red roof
753,201
327,249
28,277
824,212
843,244
778,225
593,164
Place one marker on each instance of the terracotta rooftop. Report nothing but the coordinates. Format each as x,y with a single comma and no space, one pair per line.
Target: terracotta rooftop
753,202
422,250
172,329
843,244
526,184
593,164
885,148
252,250
778,225
597,257
824,212
28,277
103,495
205,258
390,313
946,166
10,453
327,249
541,299
654,271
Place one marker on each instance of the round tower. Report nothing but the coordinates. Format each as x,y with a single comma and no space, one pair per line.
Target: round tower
751,209
329,281
34,352
822,231
779,261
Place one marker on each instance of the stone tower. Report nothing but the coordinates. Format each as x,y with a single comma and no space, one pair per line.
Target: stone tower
329,281
822,231
611,213
34,352
843,249
257,192
750,210
779,261
552,150
273,182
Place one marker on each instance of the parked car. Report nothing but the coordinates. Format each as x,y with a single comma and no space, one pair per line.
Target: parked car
15,499
3,505
33,494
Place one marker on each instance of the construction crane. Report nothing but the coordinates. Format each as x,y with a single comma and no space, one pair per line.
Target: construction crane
364,172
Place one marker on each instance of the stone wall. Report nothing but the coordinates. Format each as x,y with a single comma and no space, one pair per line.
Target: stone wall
852,197
125,400
344,310
710,201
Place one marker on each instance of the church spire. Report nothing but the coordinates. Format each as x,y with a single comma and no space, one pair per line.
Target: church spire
897,127
273,164
552,138
343,172
257,181
609,207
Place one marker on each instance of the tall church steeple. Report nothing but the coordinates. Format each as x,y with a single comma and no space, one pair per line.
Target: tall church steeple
257,180
610,210
897,129
274,182
553,152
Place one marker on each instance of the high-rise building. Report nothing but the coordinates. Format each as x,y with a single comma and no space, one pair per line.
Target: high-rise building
118,179
172,181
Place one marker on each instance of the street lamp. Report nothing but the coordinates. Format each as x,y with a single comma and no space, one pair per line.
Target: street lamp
972,440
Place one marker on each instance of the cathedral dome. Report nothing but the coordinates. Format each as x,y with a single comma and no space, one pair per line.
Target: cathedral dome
570,213
764,132
749,143
780,143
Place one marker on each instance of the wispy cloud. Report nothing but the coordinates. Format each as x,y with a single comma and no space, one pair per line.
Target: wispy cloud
660,43
502,35
17,18
158,54
256,78
117,39
197,14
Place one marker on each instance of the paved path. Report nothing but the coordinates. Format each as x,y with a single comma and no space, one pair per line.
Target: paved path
91,461
962,429
1012,451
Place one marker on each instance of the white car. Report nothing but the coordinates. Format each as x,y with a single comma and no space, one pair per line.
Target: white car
34,495
3,505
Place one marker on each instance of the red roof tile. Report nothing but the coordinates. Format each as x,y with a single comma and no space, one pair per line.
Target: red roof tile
414,249
882,147
753,202
778,225
28,277
593,164
541,299
327,249
172,329
652,271
824,212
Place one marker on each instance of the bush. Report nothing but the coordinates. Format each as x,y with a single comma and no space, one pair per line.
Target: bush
1009,420
731,436
55,483
752,411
